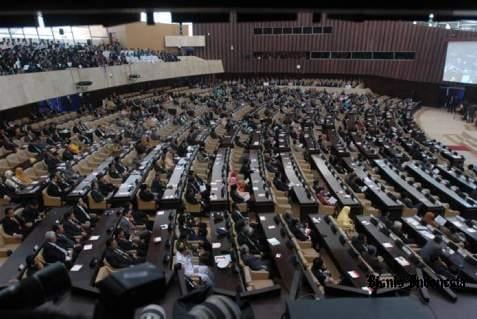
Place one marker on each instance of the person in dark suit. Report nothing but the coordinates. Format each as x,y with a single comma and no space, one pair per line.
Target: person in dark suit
156,186
252,261
57,188
117,257
31,213
12,225
105,187
63,241
83,215
145,194
72,227
280,183
53,252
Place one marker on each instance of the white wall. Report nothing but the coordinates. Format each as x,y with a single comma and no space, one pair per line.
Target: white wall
21,89
182,41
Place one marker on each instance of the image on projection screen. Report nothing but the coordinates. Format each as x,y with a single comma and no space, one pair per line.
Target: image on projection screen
461,62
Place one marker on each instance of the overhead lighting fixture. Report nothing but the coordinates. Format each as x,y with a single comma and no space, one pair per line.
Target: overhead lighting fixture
41,22
431,15
448,27
414,22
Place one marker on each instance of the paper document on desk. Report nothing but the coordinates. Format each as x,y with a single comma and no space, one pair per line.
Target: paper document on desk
88,247
273,241
402,261
94,237
76,268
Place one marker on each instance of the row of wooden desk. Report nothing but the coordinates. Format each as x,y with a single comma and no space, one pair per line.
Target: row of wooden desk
374,190
262,199
345,256
172,196
337,187
453,255
453,157
128,189
159,252
466,206
281,254
459,179
30,246
219,194
300,190
392,175
83,273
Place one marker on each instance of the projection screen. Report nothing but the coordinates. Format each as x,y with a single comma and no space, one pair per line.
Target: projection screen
461,62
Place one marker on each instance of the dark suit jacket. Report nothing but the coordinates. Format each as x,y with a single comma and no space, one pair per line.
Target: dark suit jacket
54,190
81,214
52,254
71,229
64,242
116,259
146,195
11,226
253,262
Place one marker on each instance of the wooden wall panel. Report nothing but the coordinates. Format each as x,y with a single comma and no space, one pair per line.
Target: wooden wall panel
429,44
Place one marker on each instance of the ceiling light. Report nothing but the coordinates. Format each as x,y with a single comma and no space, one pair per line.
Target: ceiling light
431,15
448,26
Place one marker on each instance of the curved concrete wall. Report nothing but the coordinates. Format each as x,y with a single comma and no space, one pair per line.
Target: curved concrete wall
22,89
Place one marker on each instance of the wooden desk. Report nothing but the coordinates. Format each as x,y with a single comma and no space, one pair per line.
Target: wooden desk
82,281
172,197
263,201
281,254
458,223
391,174
467,207
157,251
423,234
85,185
351,268
337,187
228,278
300,191
9,270
219,195
373,190
458,178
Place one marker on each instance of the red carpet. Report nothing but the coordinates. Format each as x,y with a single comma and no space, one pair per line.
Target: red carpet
459,147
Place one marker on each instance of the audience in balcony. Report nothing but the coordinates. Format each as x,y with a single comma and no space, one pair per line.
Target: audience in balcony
28,57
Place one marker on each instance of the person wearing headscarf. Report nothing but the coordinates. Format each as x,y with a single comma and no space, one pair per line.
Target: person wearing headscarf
343,219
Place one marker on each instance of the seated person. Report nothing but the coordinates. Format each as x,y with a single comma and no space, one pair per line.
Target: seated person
343,219
72,227
105,186
184,257
138,217
300,231
325,198
83,215
12,225
246,235
431,248
31,213
65,242
237,196
129,246
280,183
321,273
360,242
156,186
57,188
440,267
134,232
117,257
254,262
237,216
145,194
376,262
52,252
